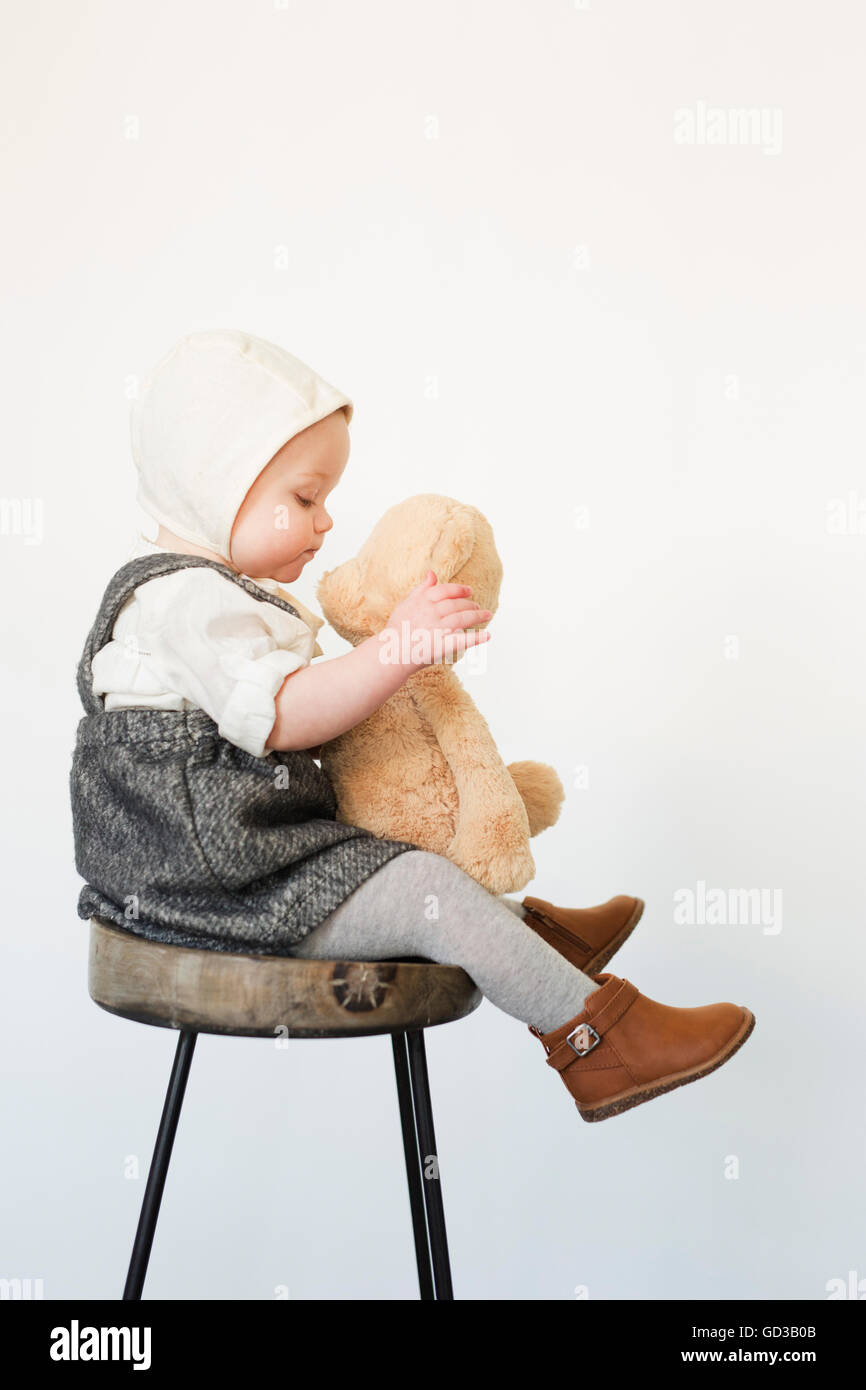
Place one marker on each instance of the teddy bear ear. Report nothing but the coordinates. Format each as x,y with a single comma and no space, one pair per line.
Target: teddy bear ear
455,544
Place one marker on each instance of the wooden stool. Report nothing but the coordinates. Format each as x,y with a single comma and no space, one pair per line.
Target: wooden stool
250,996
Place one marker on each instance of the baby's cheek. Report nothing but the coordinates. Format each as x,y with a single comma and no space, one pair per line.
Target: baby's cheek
264,538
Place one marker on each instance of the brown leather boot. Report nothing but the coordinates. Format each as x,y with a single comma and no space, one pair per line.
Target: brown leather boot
586,936
625,1049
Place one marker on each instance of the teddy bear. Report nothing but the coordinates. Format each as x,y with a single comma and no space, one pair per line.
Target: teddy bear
424,766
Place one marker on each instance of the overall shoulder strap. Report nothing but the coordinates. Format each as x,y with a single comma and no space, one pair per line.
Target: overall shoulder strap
124,583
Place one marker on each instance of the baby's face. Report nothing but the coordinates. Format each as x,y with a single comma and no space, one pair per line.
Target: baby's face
282,520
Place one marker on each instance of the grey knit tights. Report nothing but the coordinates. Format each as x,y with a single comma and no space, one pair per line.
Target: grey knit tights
421,904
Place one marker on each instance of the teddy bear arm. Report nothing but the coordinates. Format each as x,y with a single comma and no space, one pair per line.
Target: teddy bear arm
491,840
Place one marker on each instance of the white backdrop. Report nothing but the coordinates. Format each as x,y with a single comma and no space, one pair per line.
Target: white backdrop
598,271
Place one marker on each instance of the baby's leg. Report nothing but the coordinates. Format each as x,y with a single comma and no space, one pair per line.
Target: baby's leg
421,904
514,903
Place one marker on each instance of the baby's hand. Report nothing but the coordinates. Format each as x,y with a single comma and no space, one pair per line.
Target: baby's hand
437,615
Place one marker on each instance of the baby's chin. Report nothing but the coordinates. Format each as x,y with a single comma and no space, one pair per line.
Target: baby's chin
292,568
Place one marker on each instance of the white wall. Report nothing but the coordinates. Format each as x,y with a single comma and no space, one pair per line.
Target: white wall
668,335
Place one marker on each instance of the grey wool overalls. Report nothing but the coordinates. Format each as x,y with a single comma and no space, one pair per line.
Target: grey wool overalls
183,837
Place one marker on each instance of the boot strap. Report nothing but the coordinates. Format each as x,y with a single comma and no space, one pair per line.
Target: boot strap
587,1035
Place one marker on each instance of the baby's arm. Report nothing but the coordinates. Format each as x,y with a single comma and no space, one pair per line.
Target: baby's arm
316,703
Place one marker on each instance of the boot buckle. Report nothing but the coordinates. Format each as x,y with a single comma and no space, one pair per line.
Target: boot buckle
586,1039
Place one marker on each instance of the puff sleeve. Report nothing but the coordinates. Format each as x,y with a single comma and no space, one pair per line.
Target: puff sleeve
199,636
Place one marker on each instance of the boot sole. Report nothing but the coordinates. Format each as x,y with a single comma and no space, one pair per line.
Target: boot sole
627,1100
597,963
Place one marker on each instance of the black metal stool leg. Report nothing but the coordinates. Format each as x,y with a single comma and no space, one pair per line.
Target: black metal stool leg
427,1155
159,1165
399,1043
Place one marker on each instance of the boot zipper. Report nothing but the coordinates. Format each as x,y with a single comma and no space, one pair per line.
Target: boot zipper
571,938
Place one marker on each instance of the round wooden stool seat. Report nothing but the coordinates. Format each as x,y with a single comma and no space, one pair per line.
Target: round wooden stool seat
263,996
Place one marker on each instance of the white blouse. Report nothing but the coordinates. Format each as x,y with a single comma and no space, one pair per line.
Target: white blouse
194,639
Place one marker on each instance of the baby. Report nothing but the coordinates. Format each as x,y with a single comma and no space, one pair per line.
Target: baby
200,813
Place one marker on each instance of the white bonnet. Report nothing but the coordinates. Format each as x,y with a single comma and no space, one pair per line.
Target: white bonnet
209,417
